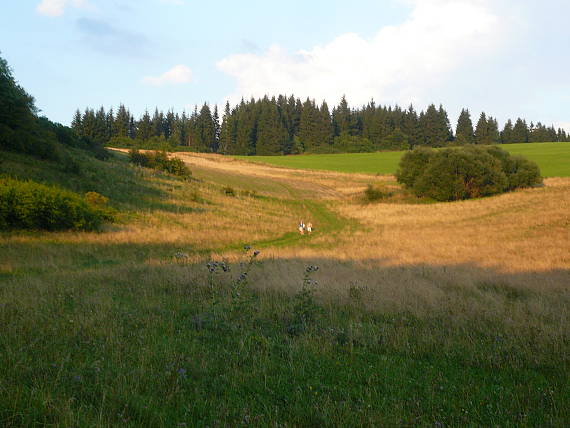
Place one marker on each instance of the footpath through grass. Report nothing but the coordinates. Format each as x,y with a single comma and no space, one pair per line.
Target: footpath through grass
552,158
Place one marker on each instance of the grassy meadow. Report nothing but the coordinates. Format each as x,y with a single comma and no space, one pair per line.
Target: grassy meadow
552,158
389,314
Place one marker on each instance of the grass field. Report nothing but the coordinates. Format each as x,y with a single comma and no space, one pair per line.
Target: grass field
439,315
552,158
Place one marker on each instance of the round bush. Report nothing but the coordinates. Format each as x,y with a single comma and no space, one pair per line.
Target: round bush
463,173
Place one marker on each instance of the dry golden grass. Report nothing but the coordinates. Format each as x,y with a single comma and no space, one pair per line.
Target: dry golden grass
403,256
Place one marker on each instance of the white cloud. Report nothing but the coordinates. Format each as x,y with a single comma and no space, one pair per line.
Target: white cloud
57,7
398,64
176,75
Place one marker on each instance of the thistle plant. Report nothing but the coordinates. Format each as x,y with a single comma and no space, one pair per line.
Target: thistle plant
240,284
305,310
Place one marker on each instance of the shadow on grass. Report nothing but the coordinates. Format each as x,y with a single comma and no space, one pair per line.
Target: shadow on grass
105,337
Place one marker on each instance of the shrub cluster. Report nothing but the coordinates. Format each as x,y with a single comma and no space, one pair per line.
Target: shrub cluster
160,161
463,173
30,205
376,193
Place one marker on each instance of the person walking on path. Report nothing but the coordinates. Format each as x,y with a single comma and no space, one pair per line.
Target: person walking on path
309,228
301,227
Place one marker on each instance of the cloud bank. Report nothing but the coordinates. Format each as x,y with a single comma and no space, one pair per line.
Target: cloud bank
177,75
398,64
57,7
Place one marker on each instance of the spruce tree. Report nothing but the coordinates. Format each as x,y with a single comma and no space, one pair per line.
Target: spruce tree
76,123
342,118
144,127
271,133
520,131
464,131
482,130
100,127
493,131
110,122
507,133
227,131
435,127
308,125
217,128
122,121
411,126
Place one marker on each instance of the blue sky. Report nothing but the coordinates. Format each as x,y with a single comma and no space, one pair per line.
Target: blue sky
506,57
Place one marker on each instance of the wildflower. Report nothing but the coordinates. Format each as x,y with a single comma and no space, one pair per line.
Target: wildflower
247,247
256,253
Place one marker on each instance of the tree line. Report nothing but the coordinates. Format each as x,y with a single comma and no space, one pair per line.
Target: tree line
287,125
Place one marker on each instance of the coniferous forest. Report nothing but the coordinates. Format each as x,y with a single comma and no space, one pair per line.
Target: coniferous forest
287,125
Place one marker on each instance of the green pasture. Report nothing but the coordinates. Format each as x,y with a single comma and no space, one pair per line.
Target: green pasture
552,158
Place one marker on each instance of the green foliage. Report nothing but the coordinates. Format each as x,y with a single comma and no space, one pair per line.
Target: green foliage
346,143
160,161
397,140
464,133
464,173
30,205
375,193
229,191
412,164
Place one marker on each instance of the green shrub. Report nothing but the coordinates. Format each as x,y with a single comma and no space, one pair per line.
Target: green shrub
412,165
345,143
464,173
160,161
376,193
228,191
30,205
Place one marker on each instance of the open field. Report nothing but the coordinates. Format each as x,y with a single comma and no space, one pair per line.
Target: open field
552,158
449,314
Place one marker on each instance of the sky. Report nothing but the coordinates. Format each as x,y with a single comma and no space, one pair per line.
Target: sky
508,58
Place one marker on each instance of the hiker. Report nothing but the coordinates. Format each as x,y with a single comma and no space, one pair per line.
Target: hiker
301,227
309,228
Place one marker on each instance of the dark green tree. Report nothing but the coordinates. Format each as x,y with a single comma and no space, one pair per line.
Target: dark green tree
507,133
482,130
271,133
464,133
144,127
520,131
